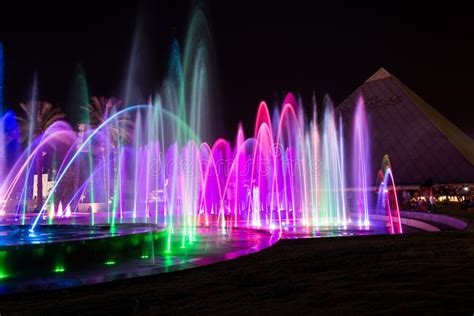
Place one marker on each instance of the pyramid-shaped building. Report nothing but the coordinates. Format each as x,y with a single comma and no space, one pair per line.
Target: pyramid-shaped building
422,144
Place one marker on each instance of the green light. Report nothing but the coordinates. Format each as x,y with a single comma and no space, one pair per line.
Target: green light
3,272
113,229
110,262
144,257
59,269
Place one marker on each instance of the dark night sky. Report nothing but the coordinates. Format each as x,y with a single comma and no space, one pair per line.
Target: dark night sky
263,49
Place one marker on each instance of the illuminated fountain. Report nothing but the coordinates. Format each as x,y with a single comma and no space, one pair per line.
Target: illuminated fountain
141,177
127,169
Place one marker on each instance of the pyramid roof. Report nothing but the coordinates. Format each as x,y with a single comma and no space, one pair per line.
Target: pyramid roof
422,144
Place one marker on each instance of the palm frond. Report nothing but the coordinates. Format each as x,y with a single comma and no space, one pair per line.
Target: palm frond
46,115
101,109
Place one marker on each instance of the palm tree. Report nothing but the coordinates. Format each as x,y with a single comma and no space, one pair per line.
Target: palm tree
39,117
118,132
100,110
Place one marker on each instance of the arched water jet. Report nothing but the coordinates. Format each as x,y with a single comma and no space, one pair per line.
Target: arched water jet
387,199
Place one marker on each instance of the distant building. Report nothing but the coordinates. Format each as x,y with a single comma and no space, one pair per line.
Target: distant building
47,185
422,144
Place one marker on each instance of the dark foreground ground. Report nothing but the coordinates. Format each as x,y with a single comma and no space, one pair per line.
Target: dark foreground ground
419,273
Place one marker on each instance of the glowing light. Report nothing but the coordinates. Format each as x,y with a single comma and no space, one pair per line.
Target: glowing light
4,276
51,211
60,210
68,211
